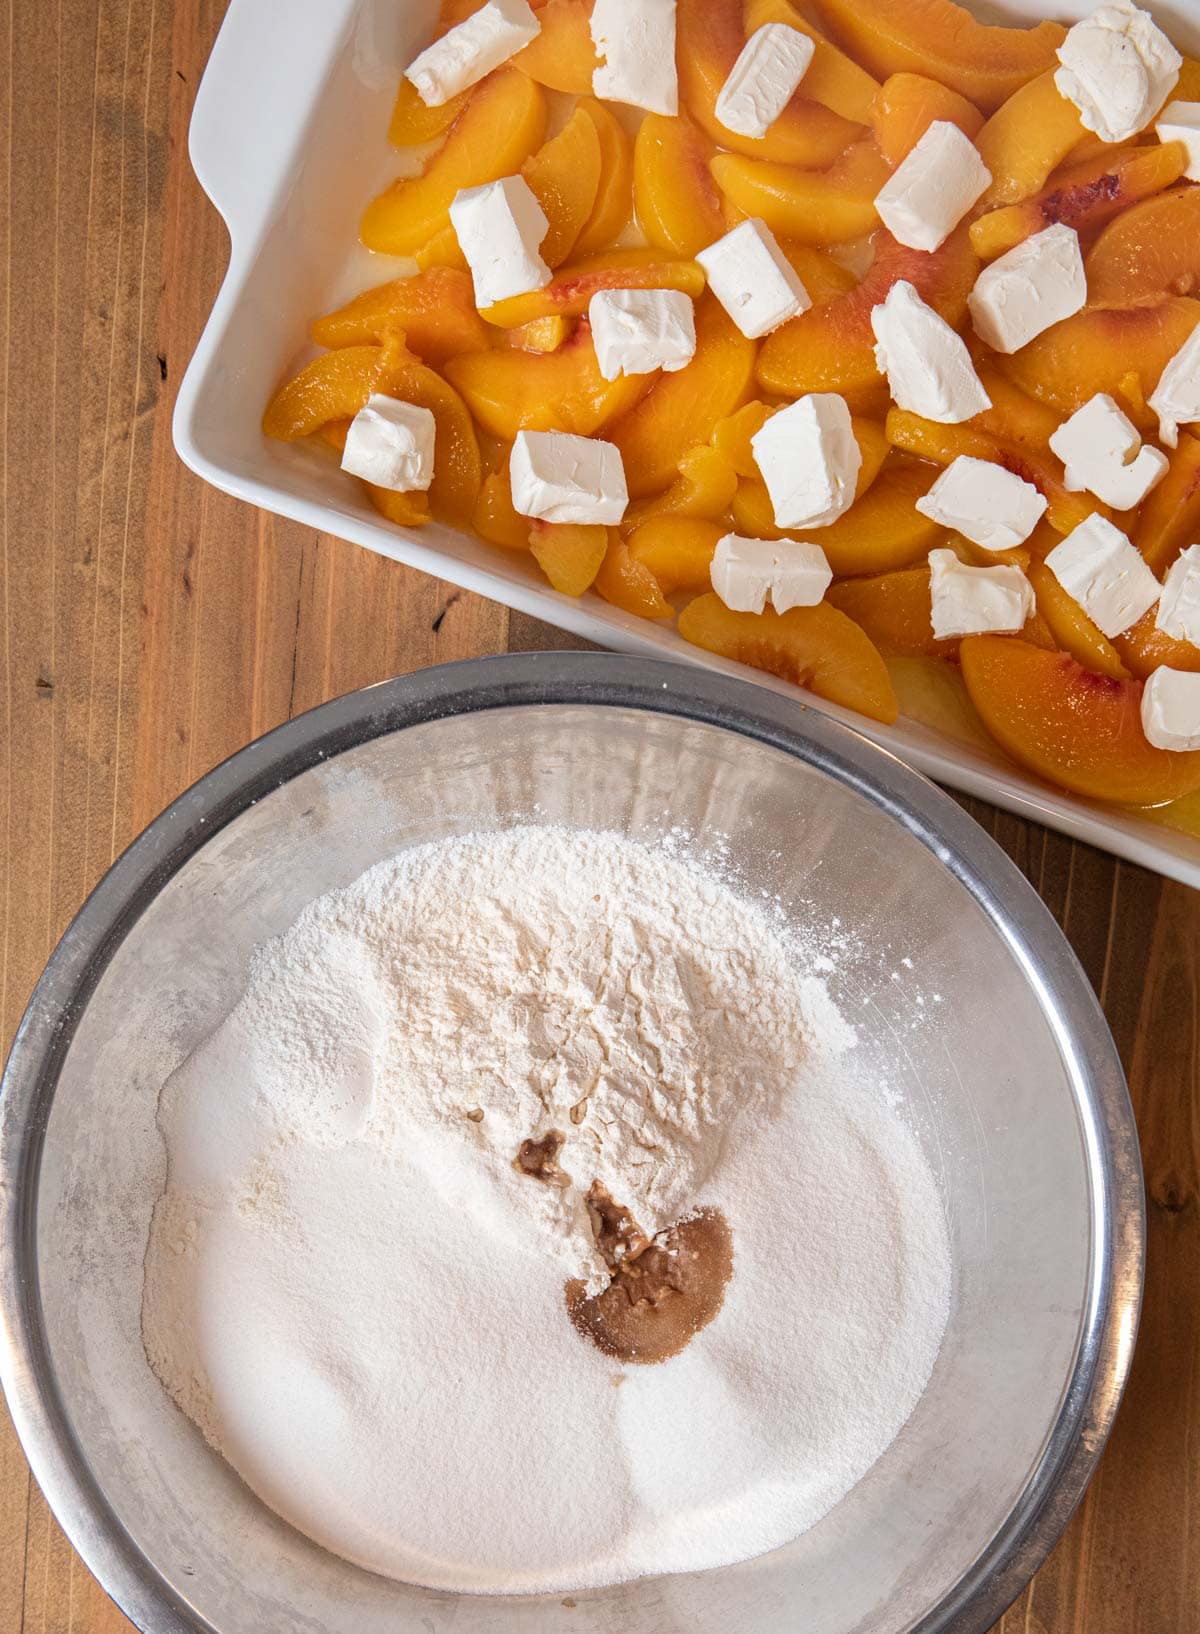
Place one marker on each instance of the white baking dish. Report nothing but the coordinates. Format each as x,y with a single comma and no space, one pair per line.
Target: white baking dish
288,139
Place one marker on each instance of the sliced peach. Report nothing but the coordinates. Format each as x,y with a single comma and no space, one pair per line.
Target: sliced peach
1014,416
569,553
1084,196
1026,138
678,205
1187,86
333,386
1072,629
807,206
457,466
880,532
704,487
413,123
1153,248
614,196
894,610
405,510
1076,729
931,440
564,175
453,12
1144,647
678,550
434,311
501,125
821,275
831,77
1170,514
906,106
442,250
943,41
681,408
563,56
628,583
539,335
1120,350
494,518
806,132
572,287
814,647
832,347
734,437
510,390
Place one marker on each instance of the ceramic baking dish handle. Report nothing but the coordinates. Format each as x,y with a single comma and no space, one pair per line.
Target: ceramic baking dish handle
243,136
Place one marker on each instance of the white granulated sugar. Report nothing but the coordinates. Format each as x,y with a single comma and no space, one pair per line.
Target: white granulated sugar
342,1247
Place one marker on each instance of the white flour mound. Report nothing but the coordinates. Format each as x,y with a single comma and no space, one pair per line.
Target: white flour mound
358,1298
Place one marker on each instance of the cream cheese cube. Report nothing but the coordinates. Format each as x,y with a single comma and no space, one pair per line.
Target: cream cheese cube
792,572
1179,609
809,459
499,228
1180,122
1118,68
933,187
753,279
1171,709
473,48
1102,452
1097,565
764,78
636,331
1038,283
390,444
1176,398
929,370
635,40
976,600
557,477
994,508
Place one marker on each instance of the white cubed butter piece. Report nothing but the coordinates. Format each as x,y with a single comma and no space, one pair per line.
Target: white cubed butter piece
753,279
1180,122
809,459
792,572
558,477
976,600
499,227
1038,283
1179,609
929,370
390,443
636,331
1097,565
933,187
994,508
764,78
1176,398
635,40
1118,68
1102,452
465,53
1171,709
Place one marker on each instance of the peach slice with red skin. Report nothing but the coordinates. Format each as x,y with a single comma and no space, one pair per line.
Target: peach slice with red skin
906,106
831,77
434,310
1153,248
677,550
501,125
614,195
569,554
1078,730
832,347
1119,350
944,42
678,205
806,132
1084,197
564,177
628,583
704,487
1170,515
562,57
509,390
807,206
681,408
1026,138
571,289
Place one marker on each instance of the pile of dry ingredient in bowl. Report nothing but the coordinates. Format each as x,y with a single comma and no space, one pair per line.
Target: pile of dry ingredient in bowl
530,1226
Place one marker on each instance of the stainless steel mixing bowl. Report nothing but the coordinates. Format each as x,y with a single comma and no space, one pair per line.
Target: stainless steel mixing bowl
991,1033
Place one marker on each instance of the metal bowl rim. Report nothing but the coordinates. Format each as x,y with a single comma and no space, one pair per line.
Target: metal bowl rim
1093,1393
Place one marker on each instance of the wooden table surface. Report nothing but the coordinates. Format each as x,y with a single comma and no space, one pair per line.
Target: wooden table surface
151,626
